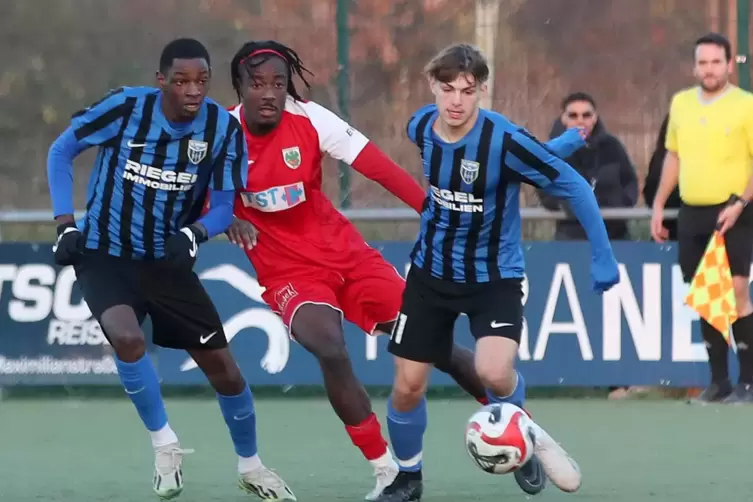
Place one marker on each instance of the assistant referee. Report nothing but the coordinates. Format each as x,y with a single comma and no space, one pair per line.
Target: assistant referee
710,152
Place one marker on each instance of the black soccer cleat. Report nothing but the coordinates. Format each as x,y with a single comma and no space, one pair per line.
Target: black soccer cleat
714,393
407,487
531,477
742,394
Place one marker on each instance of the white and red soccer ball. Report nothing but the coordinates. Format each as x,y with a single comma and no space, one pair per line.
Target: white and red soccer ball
499,438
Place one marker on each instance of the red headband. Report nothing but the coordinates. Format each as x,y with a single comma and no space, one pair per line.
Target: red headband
262,51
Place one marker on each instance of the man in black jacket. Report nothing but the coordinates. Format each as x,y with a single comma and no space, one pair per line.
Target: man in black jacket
654,175
603,162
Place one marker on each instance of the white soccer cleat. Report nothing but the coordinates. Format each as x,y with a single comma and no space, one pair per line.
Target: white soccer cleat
168,471
559,467
385,475
265,484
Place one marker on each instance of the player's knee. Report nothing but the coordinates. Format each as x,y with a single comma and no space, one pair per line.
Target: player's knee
410,384
229,382
406,394
326,343
495,363
332,352
128,344
500,379
221,370
411,387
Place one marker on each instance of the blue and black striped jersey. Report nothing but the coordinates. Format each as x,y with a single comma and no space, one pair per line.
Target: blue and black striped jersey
471,229
151,175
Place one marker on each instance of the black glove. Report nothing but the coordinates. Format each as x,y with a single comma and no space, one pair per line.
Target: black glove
69,244
181,248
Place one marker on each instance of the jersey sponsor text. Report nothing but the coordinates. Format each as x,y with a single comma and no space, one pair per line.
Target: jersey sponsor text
275,199
457,201
158,179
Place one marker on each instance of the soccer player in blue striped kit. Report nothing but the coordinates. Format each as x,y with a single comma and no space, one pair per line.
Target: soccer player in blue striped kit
160,149
468,259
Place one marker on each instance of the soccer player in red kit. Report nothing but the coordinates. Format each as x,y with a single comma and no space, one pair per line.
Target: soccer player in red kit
314,265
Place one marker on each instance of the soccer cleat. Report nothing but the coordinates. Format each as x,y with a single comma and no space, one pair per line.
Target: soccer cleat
407,487
559,467
714,393
743,394
531,477
265,484
168,470
385,475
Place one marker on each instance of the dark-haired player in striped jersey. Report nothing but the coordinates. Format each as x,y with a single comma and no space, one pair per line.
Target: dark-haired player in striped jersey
160,149
468,259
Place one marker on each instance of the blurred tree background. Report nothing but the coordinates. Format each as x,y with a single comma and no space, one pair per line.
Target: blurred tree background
631,55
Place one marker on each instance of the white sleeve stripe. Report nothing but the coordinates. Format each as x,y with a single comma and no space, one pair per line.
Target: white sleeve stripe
336,137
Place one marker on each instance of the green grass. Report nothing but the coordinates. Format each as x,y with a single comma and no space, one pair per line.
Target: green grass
96,450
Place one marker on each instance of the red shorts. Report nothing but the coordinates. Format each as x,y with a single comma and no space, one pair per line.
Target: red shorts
368,294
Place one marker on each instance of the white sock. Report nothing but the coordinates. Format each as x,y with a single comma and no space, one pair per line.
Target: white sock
163,437
385,460
248,464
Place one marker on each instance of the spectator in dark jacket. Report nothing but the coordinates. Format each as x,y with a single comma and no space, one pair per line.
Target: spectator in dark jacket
654,175
603,162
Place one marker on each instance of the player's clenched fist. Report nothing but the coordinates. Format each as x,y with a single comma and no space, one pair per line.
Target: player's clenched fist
69,244
181,248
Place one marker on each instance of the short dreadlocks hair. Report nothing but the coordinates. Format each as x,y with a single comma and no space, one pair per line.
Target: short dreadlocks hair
266,49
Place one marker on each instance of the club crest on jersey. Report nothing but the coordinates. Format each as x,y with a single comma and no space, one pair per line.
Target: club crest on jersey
469,170
292,157
197,150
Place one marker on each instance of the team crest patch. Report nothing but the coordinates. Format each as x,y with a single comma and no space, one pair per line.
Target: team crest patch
292,157
197,150
469,170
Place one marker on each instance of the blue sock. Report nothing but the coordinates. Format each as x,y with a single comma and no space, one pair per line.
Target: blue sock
517,397
240,418
407,434
141,383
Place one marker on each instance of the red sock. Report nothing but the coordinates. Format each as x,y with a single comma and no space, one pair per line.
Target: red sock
483,400
367,436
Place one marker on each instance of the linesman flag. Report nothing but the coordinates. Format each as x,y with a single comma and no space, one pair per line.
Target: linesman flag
711,292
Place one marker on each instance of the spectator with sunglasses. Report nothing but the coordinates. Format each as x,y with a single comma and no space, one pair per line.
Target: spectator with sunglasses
603,162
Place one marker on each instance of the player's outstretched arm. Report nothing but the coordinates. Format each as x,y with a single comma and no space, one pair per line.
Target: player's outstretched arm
566,143
532,163
343,142
95,125
60,174
377,166
60,158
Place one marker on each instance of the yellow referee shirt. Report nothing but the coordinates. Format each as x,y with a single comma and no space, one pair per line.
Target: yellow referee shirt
714,142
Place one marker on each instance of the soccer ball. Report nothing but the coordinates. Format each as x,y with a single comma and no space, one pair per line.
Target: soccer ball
499,438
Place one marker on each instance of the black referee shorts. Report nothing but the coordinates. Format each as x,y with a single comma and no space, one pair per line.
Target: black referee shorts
696,225
183,316
424,329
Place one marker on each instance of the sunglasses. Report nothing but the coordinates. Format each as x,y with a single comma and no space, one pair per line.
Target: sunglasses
575,115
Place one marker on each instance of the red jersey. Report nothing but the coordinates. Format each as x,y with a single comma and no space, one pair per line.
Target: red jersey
298,225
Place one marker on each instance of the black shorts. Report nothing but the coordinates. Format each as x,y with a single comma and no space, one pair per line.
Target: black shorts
424,329
182,314
695,226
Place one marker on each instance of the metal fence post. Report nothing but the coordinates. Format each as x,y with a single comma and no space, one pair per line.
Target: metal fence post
742,58
343,88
